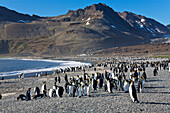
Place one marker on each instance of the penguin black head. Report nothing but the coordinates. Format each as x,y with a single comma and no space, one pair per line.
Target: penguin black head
44,82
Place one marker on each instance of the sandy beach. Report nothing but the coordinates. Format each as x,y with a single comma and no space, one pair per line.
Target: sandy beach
154,98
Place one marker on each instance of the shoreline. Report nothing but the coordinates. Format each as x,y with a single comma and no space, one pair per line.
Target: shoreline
49,70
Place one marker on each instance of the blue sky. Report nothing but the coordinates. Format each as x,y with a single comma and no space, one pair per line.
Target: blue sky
156,9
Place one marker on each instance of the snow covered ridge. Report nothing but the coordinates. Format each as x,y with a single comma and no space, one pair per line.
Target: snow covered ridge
153,30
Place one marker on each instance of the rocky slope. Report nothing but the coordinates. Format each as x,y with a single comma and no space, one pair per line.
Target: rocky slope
85,30
168,26
145,24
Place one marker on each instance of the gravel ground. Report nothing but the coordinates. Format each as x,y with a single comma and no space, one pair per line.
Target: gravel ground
155,97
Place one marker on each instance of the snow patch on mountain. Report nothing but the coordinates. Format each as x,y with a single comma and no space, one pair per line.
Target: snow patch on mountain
88,19
22,21
113,26
149,30
88,23
142,20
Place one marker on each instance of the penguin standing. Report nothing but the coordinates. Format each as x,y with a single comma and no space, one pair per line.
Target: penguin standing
66,87
74,90
59,79
101,82
141,84
120,82
70,90
79,91
108,86
144,75
28,94
66,78
95,84
155,72
56,79
44,88
60,91
105,85
126,86
132,92
85,90
89,88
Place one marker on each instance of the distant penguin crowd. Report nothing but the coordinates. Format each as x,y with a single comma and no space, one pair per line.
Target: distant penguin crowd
127,77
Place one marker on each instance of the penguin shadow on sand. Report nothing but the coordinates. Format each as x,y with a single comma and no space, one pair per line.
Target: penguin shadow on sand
7,82
154,87
151,80
155,103
157,92
102,95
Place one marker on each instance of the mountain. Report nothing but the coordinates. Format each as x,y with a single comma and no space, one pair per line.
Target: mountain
13,16
145,24
168,26
82,31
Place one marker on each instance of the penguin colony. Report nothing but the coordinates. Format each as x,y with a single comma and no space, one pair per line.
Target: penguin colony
123,76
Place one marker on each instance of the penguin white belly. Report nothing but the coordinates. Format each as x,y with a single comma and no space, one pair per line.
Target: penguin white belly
119,84
57,92
51,93
92,83
88,90
131,93
85,90
71,90
42,89
126,87
108,86
79,91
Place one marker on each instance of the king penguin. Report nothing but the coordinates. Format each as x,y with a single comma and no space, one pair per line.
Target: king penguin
132,92
141,84
60,91
126,86
109,86
28,94
44,88
89,88
79,91
85,90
